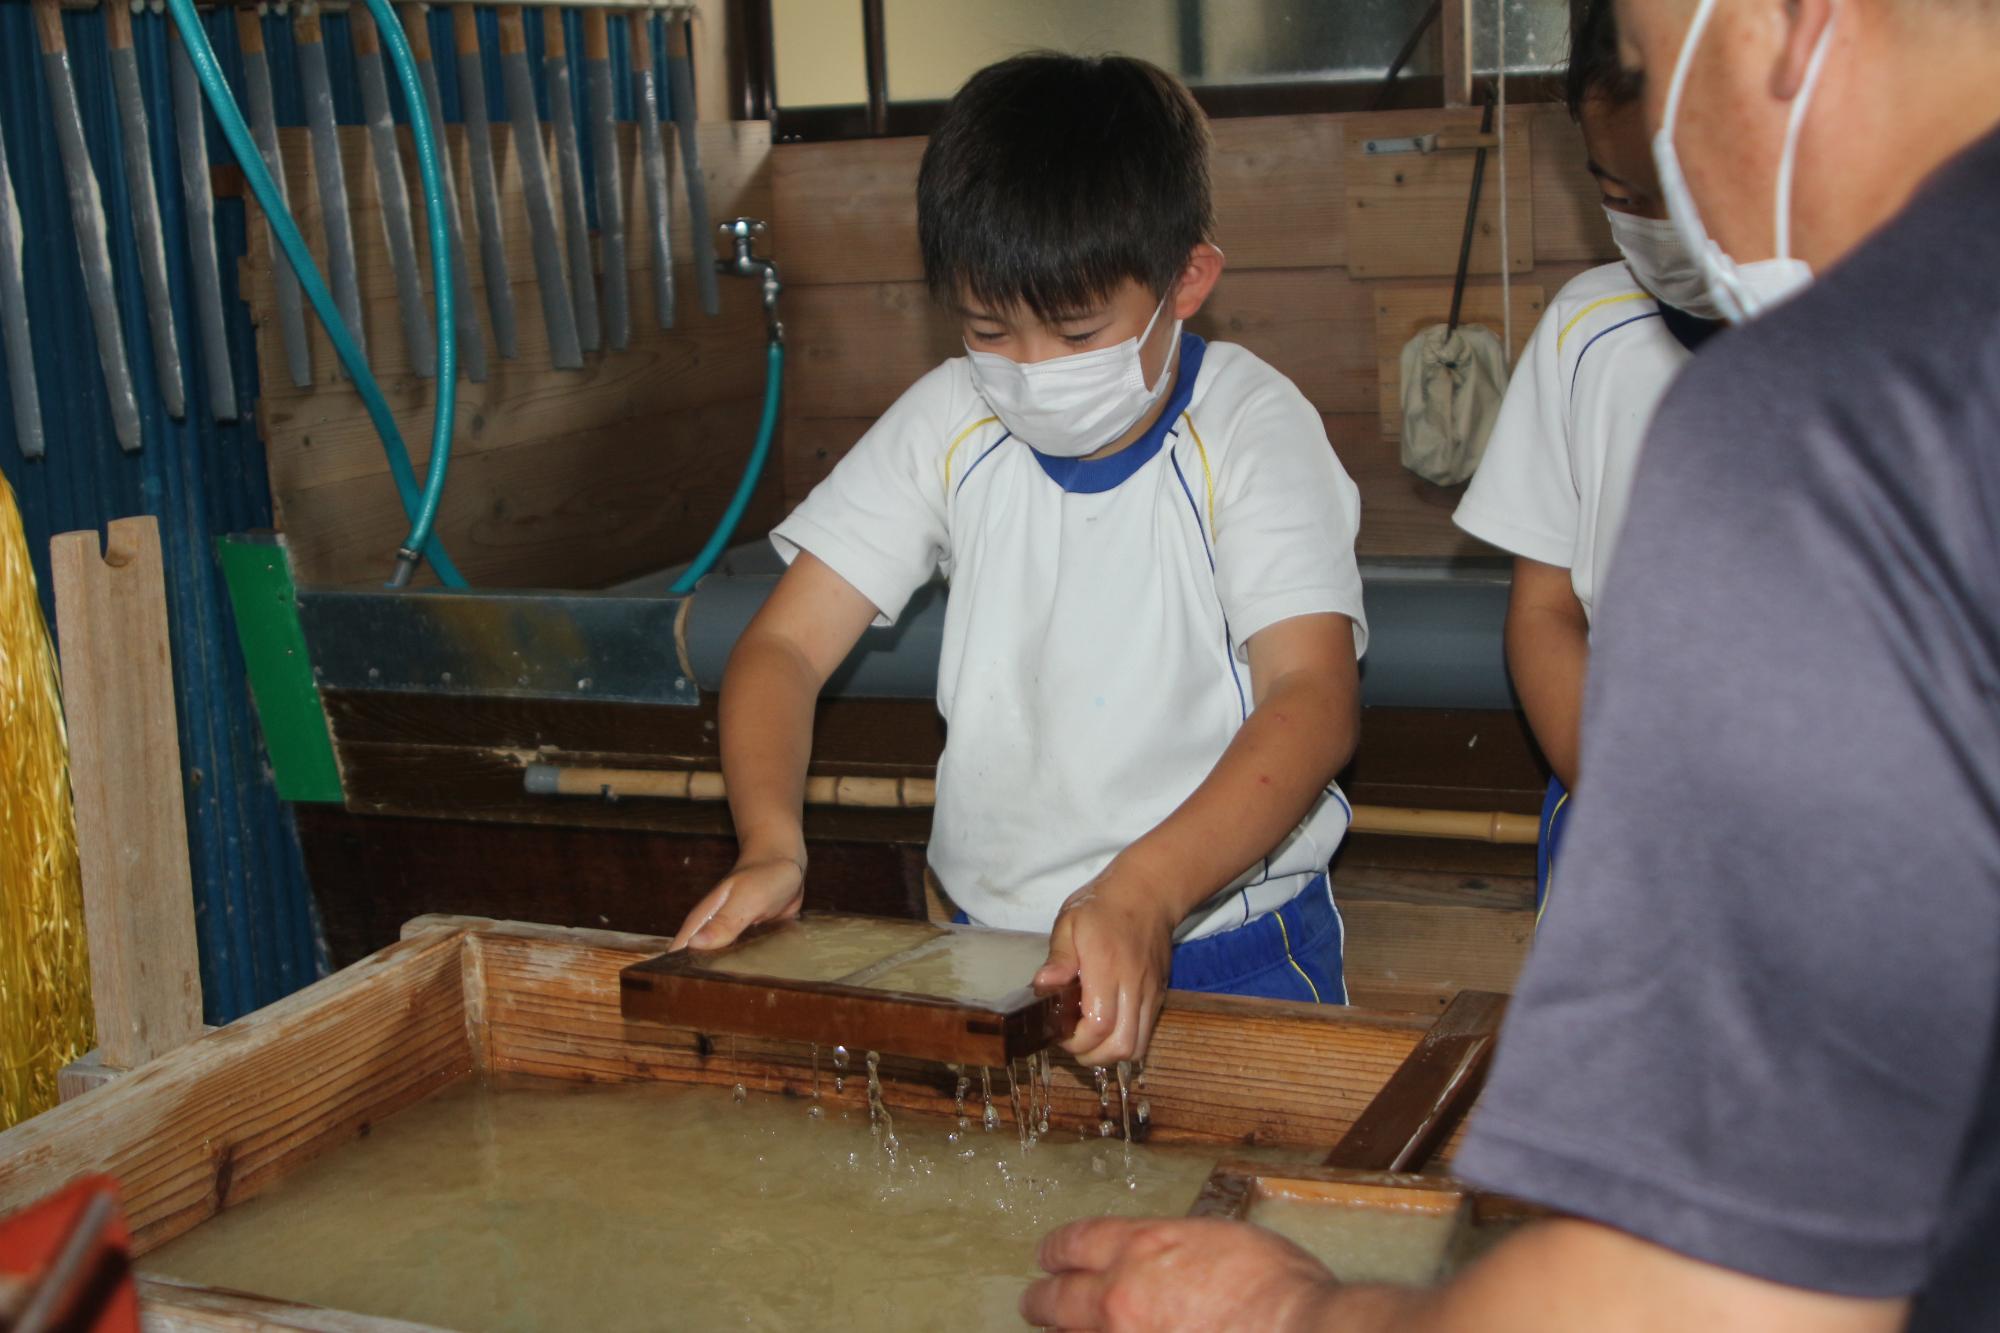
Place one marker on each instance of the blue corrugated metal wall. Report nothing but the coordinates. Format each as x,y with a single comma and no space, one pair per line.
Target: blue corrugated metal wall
200,477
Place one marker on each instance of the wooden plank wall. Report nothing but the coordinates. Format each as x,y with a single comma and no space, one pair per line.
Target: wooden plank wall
559,478
862,329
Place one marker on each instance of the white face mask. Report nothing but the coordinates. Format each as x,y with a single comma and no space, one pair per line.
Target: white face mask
1740,291
1659,259
1070,406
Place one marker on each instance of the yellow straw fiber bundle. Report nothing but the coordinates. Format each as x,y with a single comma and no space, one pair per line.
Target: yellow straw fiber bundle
45,1019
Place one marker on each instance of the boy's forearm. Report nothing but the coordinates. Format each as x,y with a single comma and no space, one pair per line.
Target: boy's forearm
1278,764
768,696
1548,654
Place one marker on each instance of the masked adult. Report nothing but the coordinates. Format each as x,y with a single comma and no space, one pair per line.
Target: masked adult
1755,1061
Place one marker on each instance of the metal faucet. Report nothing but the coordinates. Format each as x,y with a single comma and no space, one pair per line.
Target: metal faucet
742,234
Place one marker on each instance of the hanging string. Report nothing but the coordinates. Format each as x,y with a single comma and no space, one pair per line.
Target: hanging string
1506,254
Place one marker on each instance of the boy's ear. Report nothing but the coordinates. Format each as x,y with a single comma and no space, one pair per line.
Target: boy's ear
1197,280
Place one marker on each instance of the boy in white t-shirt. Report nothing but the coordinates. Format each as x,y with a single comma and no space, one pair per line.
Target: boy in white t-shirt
1558,467
1149,663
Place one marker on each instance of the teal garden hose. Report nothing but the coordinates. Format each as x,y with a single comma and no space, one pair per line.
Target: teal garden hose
420,506
718,541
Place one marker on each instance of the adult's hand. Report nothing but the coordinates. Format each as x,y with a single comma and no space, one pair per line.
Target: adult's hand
1127,1274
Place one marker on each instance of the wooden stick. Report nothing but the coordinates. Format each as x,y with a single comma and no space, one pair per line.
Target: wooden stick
1456,27
1421,1104
917,793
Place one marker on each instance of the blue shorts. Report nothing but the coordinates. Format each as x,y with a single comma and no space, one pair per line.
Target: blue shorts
1555,814
1293,953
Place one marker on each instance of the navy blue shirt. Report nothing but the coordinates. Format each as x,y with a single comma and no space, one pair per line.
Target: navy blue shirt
1758,1027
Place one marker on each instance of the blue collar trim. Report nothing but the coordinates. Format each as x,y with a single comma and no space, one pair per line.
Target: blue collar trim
1091,476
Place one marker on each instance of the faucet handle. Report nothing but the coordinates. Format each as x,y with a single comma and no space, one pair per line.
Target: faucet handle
743,228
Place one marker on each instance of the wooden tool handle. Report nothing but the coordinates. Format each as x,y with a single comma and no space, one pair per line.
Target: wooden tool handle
513,33
465,29
305,28
596,35
677,39
417,27
48,26
249,29
117,25
554,40
642,41
361,27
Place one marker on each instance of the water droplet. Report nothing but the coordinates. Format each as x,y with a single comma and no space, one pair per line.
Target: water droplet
1104,1128
1145,1111
840,1057
817,1112
992,1118
839,1083
740,1093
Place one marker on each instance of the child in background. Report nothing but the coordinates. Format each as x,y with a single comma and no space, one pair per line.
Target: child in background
1149,666
1558,468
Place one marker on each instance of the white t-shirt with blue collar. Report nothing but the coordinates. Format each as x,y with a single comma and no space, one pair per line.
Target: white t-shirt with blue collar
1093,666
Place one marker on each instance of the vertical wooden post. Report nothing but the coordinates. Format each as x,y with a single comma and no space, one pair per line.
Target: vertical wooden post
1456,27
125,772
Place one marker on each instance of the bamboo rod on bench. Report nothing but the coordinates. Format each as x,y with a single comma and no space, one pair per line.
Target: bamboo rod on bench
884,793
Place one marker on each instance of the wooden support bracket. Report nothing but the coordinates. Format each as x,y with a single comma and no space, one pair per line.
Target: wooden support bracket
1424,1100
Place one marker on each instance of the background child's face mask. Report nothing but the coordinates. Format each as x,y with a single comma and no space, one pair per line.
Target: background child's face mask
1071,406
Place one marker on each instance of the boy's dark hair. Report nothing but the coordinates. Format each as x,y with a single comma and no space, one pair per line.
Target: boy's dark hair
1053,177
1594,67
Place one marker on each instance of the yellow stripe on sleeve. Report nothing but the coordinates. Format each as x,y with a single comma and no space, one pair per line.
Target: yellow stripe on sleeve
1207,475
1595,306
983,421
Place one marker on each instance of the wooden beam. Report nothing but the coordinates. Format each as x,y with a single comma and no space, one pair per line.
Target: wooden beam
1422,1103
1221,1070
1457,28
222,1118
125,771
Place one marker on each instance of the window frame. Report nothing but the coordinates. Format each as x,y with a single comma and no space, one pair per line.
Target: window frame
755,78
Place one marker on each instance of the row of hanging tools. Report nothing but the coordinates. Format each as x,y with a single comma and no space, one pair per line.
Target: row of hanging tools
571,258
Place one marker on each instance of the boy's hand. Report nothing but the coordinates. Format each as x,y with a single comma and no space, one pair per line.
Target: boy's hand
764,889
1116,934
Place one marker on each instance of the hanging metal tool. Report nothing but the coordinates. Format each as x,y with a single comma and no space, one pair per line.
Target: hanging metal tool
610,177
485,188
330,177
205,270
465,312
21,385
147,233
653,162
569,165
680,86
86,211
393,193
558,313
264,128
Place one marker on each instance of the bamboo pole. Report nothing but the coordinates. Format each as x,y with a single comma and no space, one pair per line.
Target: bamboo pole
884,793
